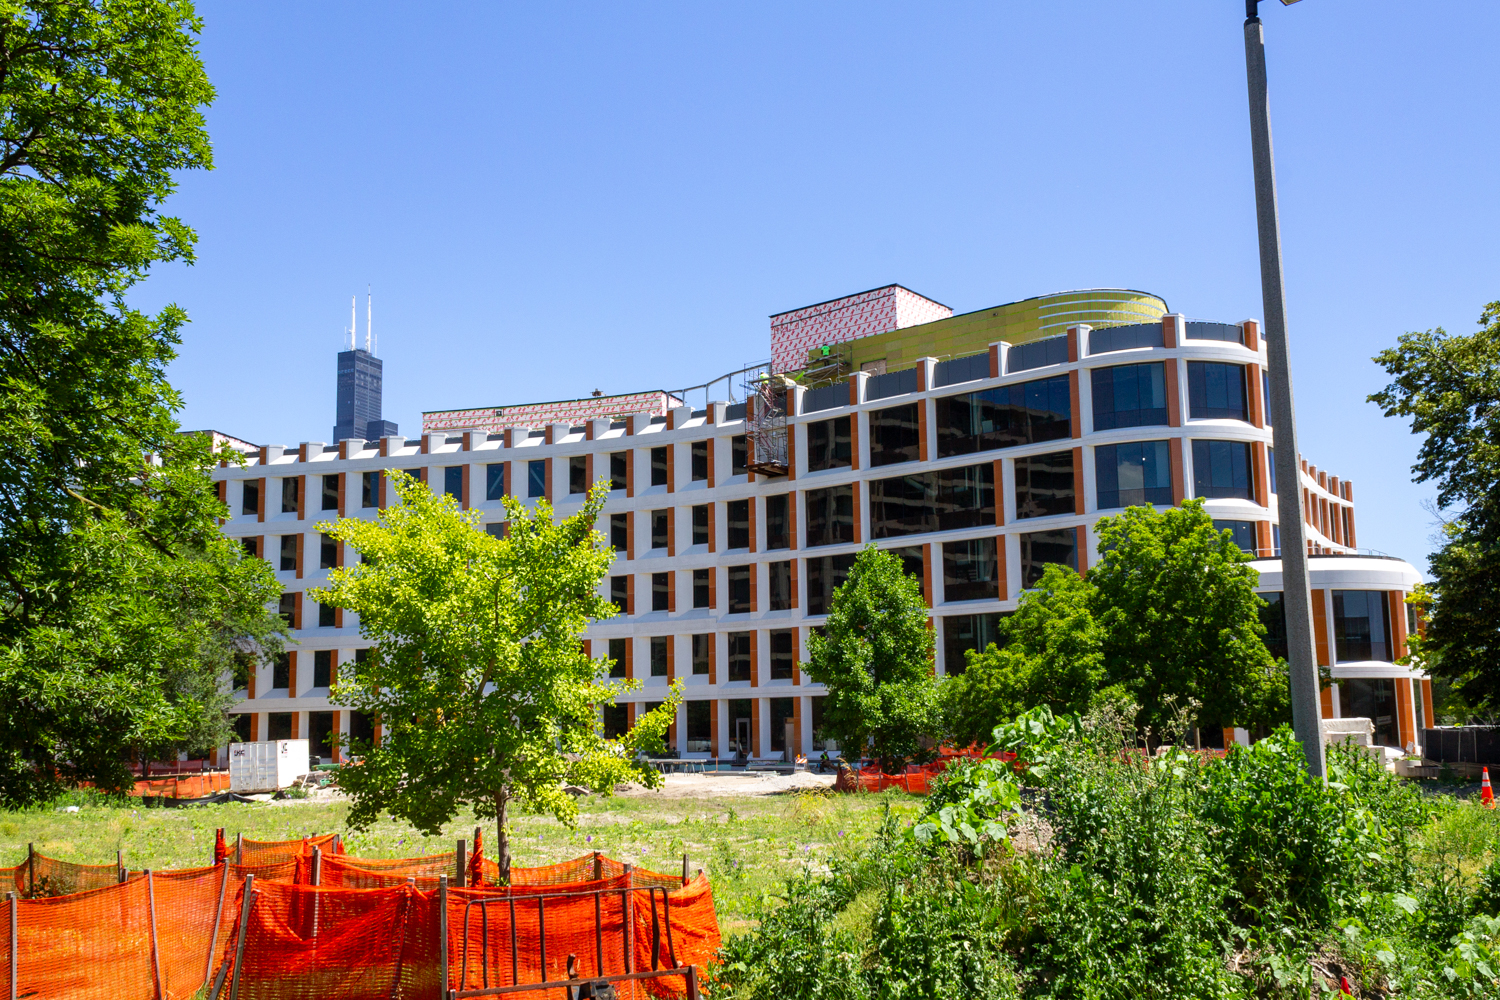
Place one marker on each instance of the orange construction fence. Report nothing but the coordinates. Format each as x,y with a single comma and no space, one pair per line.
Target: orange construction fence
173,933
914,779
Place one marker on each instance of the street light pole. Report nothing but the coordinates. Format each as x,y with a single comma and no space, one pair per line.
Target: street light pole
1296,595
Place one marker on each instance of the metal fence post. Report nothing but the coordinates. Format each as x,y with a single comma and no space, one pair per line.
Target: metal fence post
15,946
119,866
239,947
239,848
461,859
684,869
627,918
443,933
317,866
155,947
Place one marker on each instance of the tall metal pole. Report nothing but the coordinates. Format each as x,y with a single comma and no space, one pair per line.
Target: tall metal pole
1296,594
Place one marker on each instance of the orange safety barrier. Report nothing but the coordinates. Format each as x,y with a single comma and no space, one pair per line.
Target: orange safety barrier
40,876
915,779
257,852
186,786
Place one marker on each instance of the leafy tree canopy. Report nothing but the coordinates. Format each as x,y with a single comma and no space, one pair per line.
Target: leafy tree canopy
477,671
1448,385
875,658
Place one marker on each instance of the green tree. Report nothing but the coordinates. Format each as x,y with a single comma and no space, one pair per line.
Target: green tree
1180,615
875,658
1050,654
119,603
1449,387
477,672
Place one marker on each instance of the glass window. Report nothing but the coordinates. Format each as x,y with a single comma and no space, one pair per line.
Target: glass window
495,529
700,524
738,525
913,563
618,463
659,466
619,655
703,653
739,589
278,725
1221,470
250,547
331,492
825,575
281,671
287,609
778,522
1374,699
619,593
783,654
895,435
578,474
658,656
1361,625
494,481
328,552
1273,617
830,515
660,528
1216,390
615,720
780,586
323,668
781,713
1244,533
288,553
700,463
289,493
370,489
962,633
739,659
661,596
739,450
1038,548
1129,396
453,485
1124,338
933,501
619,532
1265,383
1133,474
1271,468
1003,417
1044,485
536,477
741,719
250,497
700,725
828,444
970,570
326,616
700,588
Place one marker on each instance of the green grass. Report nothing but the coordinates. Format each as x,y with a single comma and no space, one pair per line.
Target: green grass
746,844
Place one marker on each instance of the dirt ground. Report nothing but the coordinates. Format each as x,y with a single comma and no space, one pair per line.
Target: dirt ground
690,786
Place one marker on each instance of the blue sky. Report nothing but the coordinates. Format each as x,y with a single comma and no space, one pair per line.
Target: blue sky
553,198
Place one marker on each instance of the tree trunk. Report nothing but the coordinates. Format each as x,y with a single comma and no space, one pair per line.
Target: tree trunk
502,842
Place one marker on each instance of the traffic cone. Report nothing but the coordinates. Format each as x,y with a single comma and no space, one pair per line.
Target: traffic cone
1486,794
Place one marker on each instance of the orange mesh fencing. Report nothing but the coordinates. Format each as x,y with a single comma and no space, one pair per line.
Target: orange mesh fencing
346,871
260,852
40,876
186,786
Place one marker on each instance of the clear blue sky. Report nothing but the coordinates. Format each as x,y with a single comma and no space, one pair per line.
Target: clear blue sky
553,198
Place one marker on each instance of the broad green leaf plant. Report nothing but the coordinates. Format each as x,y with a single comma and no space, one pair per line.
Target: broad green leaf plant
477,670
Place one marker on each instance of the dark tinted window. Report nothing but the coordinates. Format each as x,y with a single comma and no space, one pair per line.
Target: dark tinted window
619,593
894,435
1037,354
738,455
617,467
1129,396
288,552
251,548
619,655
970,570
830,515
578,474
825,575
1038,548
658,656
1221,470
1230,333
616,720
962,633
619,532
1273,617
660,528
536,477
326,615
1044,485
783,654
913,563
250,497
278,725
287,609
703,651
494,481
700,588
1265,382
739,656
453,485
1361,625
1003,417
828,444
700,725
780,586
658,466
289,492
739,589
1244,533
328,552
1133,474
1124,338
323,668
700,524
1216,390
778,522
331,491
661,597
933,501
370,489
281,671
700,461
738,523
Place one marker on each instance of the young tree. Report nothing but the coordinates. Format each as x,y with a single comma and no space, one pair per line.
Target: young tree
1449,385
1180,615
477,673
1050,654
875,658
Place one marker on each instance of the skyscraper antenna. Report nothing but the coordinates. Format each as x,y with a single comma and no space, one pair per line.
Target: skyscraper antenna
353,323
369,321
